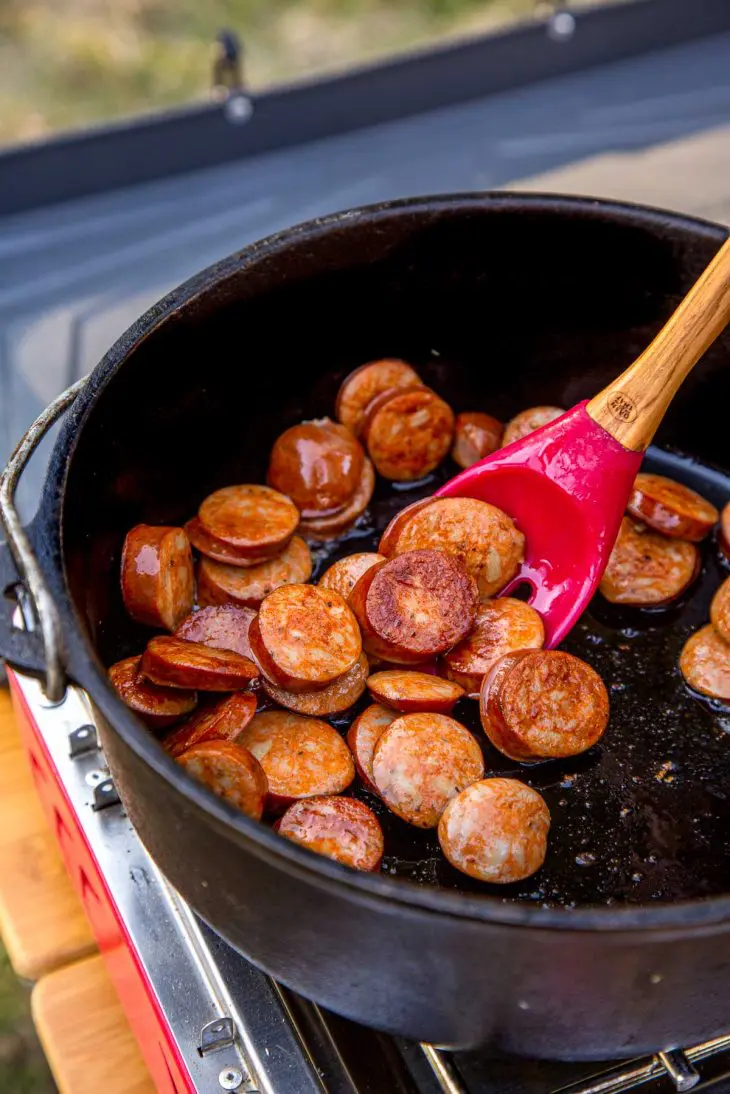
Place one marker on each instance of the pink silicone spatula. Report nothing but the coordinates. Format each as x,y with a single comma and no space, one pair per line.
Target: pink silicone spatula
567,484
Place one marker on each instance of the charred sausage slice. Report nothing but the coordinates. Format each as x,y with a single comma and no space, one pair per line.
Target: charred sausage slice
476,435
502,626
302,757
421,762
343,575
362,737
496,830
414,606
333,699
720,610
335,524
647,569
339,828
220,584
407,433
411,692
318,465
175,663
220,551
229,771
527,421
543,704
253,519
157,575
365,384
221,722
305,637
224,627
158,706
479,534
705,663
671,508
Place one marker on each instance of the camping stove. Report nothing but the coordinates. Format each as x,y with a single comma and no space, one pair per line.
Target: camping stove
206,1020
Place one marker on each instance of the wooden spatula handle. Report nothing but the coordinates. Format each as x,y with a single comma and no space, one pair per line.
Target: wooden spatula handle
631,407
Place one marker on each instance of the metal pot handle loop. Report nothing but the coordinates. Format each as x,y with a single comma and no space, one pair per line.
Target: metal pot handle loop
26,562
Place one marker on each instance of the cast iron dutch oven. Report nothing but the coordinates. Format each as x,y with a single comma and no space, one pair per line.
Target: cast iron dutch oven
621,944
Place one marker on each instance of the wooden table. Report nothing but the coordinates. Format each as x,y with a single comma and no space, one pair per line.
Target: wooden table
80,1022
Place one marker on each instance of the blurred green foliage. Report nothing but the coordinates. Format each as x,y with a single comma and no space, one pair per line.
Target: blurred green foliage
23,1068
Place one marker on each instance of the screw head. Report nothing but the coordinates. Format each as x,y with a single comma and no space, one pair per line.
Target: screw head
230,1078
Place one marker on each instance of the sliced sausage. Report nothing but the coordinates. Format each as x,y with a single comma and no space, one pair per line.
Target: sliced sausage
159,707
338,828
229,771
407,433
305,637
647,569
221,722
502,626
543,704
365,384
220,551
220,584
705,663
496,830
318,465
421,762
389,539
720,610
175,663
476,435
527,421
362,737
254,519
224,627
157,575
414,606
302,757
414,691
333,525
479,534
343,575
336,697
724,536
671,508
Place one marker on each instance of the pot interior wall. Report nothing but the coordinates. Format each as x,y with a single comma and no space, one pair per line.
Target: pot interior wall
499,305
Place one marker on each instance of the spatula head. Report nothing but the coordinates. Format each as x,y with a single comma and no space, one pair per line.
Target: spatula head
566,487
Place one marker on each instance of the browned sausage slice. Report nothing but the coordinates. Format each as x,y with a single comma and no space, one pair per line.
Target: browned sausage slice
720,610
221,722
229,771
336,697
421,762
543,704
224,627
414,691
339,828
671,508
362,737
408,433
476,435
414,606
254,519
724,536
302,757
175,663
365,384
646,568
496,830
527,421
159,707
335,524
219,584
502,626
157,575
305,637
343,575
705,663
318,465
479,534
389,540
220,551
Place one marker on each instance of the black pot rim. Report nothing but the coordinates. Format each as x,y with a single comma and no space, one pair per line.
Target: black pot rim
85,667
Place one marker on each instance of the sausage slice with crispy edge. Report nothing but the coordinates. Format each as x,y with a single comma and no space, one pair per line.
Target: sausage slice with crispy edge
229,771
221,584
338,828
251,518
158,706
502,626
157,575
175,663
221,722
669,507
